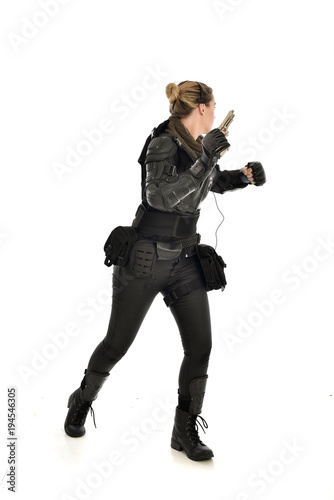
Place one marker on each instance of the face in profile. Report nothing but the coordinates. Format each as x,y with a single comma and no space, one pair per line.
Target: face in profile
209,116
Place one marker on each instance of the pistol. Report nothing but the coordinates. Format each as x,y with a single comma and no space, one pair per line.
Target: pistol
225,125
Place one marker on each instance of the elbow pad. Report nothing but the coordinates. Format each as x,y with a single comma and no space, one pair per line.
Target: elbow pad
167,194
164,188
178,188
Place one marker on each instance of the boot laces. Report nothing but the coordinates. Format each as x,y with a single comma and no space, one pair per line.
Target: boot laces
81,413
192,427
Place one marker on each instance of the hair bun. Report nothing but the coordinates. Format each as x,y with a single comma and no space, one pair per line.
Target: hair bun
172,92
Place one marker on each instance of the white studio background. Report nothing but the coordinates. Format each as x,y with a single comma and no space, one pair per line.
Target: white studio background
71,67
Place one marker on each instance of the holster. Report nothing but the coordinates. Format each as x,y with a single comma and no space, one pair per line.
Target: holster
119,244
213,267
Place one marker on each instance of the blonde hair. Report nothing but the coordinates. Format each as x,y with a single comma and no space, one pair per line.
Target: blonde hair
183,98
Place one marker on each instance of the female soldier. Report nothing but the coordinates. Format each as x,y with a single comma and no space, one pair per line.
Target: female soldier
160,253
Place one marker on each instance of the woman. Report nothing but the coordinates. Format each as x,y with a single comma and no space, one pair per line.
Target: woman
179,168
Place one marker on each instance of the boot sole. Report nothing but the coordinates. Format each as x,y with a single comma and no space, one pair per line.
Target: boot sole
72,435
176,446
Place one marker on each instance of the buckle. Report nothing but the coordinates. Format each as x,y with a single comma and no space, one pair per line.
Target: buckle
170,298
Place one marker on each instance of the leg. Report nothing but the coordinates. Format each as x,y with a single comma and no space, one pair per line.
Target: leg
192,316
132,298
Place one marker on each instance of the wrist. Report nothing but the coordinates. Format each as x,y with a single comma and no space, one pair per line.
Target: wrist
208,161
198,168
243,177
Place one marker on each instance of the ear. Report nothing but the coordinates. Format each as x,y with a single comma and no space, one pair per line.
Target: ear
201,109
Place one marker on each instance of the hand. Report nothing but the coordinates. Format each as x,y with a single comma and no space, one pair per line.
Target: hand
255,173
249,174
212,145
225,132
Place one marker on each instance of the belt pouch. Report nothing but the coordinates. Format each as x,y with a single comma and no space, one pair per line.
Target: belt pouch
118,246
213,267
168,251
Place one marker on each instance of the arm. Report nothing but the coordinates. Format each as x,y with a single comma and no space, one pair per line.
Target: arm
165,187
230,180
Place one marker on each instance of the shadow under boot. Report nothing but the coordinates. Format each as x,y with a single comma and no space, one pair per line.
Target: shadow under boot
185,431
80,402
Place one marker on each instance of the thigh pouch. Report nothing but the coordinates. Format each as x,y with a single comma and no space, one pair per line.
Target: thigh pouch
142,258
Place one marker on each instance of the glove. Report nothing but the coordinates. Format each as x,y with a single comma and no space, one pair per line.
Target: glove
212,145
258,172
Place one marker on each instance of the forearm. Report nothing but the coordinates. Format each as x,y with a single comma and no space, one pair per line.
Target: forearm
229,180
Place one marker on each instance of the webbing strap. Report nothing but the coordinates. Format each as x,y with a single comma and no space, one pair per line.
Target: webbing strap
188,242
182,290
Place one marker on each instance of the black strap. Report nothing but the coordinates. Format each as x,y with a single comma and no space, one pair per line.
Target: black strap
188,242
182,290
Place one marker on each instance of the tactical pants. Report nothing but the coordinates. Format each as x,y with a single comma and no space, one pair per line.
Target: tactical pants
132,298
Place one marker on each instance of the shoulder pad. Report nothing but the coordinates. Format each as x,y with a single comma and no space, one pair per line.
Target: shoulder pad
160,148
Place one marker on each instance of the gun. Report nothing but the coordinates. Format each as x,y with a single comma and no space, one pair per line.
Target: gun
225,125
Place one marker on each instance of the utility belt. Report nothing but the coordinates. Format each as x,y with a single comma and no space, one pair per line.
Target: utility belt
126,244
